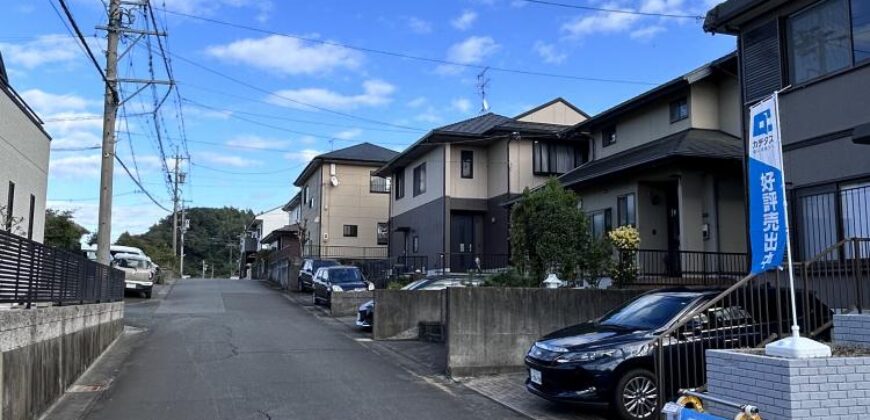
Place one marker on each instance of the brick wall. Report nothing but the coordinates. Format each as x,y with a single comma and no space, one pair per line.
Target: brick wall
829,388
852,329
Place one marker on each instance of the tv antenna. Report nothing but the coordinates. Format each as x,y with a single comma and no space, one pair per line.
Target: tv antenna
482,83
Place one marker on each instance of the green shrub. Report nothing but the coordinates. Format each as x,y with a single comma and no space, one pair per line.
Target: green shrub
510,278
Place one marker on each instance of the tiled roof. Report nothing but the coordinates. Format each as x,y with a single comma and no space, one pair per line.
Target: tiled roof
474,126
362,151
697,143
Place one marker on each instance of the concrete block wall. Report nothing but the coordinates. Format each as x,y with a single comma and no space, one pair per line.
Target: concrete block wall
347,303
829,388
852,329
44,350
398,313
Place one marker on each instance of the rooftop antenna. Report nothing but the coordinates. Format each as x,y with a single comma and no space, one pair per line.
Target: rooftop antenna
482,83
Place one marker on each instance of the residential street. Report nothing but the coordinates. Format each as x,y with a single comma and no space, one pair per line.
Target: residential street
235,349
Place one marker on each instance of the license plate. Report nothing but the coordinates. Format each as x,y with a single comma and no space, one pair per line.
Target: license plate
130,286
535,376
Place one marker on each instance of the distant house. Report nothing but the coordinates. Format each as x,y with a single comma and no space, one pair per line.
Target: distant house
24,155
817,53
668,162
343,207
450,185
293,208
252,241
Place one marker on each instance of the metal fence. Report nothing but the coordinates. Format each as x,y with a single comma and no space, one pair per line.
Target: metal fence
345,252
31,272
382,272
485,263
667,268
756,311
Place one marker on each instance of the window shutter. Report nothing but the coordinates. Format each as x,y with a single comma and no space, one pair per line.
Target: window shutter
762,71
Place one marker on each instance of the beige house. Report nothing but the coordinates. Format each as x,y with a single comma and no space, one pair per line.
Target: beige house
669,162
24,154
343,206
449,187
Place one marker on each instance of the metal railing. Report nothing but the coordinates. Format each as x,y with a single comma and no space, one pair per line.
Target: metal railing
468,262
665,267
31,272
345,252
382,272
756,311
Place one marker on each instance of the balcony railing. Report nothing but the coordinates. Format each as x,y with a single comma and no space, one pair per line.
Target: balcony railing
666,267
345,252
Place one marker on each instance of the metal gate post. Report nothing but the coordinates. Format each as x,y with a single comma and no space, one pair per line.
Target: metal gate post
856,272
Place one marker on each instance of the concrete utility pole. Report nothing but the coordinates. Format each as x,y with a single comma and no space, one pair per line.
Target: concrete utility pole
175,208
185,224
203,269
110,113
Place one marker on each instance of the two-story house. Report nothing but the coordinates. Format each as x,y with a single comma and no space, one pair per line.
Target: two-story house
24,155
816,53
668,161
344,206
449,187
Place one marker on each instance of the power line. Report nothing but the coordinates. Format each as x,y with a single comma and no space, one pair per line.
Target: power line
408,56
292,168
81,38
139,184
608,10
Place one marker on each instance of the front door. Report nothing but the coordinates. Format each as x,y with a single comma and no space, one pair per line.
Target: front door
673,263
461,242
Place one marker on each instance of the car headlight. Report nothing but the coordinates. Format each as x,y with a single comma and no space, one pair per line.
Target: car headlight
587,356
371,286
337,288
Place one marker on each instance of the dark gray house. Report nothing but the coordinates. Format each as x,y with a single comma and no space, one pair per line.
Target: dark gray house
817,53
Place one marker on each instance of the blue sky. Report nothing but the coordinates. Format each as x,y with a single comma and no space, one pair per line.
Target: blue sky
248,131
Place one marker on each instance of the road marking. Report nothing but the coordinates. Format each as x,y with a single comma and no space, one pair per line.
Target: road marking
363,339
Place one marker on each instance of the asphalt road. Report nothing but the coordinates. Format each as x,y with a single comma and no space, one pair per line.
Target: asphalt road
236,349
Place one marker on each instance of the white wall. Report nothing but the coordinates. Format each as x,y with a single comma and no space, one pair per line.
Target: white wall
272,220
477,186
24,155
556,113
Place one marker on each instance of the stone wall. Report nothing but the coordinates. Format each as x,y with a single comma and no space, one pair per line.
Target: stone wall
829,388
44,350
852,329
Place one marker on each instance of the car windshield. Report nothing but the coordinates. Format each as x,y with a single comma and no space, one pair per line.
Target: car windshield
345,275
649,311
414,285
130,263
323,263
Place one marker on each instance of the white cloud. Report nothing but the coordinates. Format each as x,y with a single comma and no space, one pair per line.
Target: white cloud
430,115
134,217
256,142
417,102
228,160
307,140
465,20
348,134
45,49
473,50
461,104
209,7
46,103
75,166
304,155
549,53
375,93
646,32
637,26
602,22
419,26
285,55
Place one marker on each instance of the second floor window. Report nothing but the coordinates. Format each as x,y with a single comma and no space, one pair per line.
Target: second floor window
626,213
350,231
822,40
400,183
608,136
555,159
679,110
420,179
379,184
467,164
383,233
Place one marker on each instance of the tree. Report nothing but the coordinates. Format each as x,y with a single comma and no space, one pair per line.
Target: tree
61,231
11,224
549,233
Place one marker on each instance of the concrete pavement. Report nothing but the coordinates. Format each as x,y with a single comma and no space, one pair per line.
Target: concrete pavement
235,349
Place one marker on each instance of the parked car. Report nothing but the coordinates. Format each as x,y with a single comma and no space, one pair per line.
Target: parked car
138,273
366,314
309,268
611,360
340,278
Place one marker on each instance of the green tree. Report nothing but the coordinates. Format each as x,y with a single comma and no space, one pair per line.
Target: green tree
61,231
549,233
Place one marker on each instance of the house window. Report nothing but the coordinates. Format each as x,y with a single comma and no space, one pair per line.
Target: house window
626,213
819,40
306,197
400,183
379,184
420,179
467,164
383,233
679,110
608,136
860,30
10,203
350,231
415,244
828,214
30,219
555,159
601,222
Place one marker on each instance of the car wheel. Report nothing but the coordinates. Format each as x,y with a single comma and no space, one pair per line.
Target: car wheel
636,396
147,295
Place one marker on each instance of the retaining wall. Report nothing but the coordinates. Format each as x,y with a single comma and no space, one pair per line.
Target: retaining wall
489,330
347,303
44,350
398,313
852,329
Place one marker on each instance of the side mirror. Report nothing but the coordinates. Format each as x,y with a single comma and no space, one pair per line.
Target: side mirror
695,325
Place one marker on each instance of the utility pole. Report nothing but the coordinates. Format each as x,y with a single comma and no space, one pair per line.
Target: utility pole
177,180
185,225
110,113
203,268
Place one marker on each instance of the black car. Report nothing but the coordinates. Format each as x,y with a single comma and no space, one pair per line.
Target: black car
309,268
340,278
611,360
366,315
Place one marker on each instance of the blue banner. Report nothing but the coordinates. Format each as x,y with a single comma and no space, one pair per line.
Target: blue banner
767,214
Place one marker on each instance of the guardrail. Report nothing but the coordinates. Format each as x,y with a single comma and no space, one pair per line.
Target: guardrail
31,272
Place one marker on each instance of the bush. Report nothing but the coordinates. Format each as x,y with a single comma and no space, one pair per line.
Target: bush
626,240
511,278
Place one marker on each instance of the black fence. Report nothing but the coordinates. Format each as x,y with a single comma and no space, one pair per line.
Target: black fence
756,311
484,263
382,272
31,272
664,267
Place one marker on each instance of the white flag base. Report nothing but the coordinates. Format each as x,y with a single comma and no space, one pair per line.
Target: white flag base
797,348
